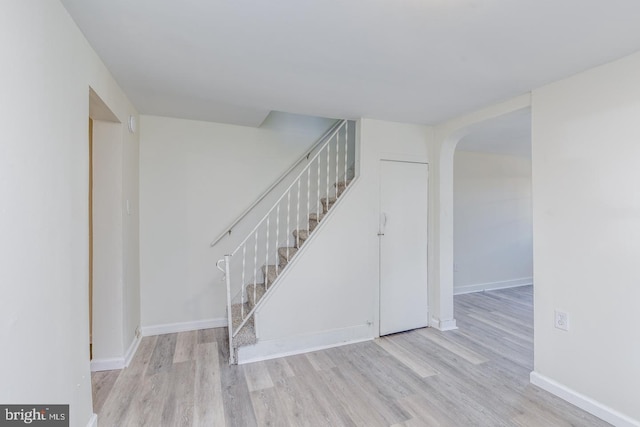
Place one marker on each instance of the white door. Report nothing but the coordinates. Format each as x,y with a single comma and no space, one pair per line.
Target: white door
403,246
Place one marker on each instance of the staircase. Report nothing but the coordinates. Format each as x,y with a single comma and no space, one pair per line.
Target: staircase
251,271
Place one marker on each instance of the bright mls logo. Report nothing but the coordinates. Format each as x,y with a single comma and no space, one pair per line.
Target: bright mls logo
34,415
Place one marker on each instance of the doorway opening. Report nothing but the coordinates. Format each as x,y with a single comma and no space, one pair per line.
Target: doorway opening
492,209
104,140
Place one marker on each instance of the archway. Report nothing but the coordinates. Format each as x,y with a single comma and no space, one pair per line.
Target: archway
447,137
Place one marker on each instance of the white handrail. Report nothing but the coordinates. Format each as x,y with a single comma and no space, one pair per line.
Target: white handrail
289,187
324,137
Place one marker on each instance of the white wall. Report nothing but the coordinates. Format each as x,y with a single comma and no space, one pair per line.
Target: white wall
330,292
196,178
107,242
493,245
47,70
586,216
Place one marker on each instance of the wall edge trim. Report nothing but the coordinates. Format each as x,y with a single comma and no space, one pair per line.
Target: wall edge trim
586,403
493,286
170,328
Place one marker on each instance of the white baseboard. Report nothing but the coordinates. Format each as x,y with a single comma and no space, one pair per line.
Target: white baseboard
170,328
443,325
93,421
272,349
583,402
112,363
492,286
131,351
108,364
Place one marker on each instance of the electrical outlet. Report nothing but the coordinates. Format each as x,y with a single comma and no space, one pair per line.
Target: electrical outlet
561,320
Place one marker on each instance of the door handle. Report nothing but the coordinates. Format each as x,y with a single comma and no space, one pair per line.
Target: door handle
383,223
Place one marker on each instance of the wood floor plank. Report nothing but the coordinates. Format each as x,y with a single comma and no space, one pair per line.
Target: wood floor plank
185,346
257,376
209,407
268,408
147,406
320,361
353,401
409,359
279,369
162,357
179,407
425,413
379,399
102,383
208,335
312,401
129,383
439,338
235,396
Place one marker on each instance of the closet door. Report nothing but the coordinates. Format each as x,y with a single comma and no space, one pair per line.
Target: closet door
403,246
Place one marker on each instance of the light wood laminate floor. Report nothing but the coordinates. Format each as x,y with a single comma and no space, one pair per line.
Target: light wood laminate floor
477,375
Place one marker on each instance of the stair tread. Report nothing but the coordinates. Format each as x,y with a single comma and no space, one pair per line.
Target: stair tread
341,183
259,293
246,336
290,250
301,234
272,273
236,314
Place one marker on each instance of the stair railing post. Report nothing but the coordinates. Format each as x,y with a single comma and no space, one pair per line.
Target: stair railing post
227,276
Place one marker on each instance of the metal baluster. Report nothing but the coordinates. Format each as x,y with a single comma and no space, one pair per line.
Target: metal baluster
288,220
328,168
277,236
346,152
318,199
298,216
244,257
266,258
227,278
337,161
255,268
308,199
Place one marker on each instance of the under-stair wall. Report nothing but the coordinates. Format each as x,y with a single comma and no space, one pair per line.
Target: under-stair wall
328,295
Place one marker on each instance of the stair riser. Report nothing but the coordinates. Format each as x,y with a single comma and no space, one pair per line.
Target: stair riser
252,301
327,204
271,276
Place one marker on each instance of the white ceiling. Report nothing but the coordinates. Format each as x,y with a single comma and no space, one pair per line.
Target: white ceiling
420,61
